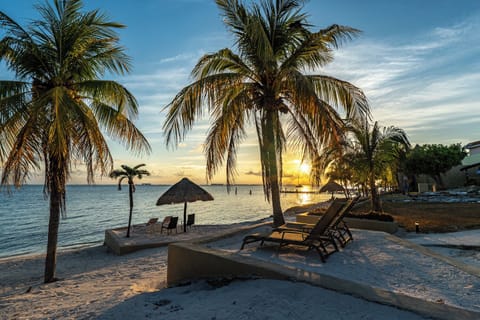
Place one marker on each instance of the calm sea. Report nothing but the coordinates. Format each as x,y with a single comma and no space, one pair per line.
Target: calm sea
92,209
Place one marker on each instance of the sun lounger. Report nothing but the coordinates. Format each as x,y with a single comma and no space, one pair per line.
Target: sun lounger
190,220
169,223
333,209
319,237
151,221
341,231
150,225
338,228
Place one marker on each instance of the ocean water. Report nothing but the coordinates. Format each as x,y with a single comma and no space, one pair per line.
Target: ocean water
92,209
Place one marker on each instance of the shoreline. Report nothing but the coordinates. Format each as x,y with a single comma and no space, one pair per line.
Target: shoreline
90,244
87,245
61,249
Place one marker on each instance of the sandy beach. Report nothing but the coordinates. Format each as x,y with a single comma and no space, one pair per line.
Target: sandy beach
99,284
92,279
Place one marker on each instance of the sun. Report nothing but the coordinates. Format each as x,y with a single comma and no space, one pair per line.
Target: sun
305,168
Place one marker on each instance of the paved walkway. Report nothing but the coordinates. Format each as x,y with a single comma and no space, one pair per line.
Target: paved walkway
385,262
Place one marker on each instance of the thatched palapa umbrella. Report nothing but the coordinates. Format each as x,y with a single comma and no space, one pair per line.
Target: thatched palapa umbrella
184,191
331,186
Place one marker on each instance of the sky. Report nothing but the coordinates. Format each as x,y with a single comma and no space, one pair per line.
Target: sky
416,60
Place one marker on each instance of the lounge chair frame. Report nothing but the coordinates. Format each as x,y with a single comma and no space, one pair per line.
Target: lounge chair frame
169,223
319,237
190,220
151,224
338,228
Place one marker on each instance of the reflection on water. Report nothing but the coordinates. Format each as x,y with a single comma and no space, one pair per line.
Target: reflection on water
303,195
304,198
306,194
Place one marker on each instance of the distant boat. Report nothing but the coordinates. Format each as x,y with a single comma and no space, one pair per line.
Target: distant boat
146,184
298,183
217,184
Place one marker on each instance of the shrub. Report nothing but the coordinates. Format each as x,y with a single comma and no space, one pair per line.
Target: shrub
371,216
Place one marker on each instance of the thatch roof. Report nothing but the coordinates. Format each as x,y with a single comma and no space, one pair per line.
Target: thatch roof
184,191
331,186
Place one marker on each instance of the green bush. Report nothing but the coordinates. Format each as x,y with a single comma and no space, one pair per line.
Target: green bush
371,216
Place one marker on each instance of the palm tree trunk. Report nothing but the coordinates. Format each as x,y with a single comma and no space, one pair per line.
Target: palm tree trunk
273,178
278,218
130,195
53,224
439,181
375,199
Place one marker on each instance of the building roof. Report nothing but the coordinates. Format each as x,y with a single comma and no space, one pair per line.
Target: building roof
471,161
472,145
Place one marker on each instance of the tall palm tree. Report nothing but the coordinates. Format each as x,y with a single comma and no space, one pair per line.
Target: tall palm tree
129,174
376,150
264,82
54,112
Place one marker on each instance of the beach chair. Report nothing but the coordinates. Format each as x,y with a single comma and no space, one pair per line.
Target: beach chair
169,223
151,221
338,228
319,237
150,225
190,220
333,209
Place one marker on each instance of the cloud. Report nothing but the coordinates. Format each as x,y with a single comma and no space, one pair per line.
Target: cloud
252,173
178,58
421,85
289,175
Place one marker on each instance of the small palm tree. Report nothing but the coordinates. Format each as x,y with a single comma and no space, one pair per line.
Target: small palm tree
54,111
265,84
375,151
129,174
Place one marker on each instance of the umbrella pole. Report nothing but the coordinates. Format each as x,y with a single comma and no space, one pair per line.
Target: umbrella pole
185,217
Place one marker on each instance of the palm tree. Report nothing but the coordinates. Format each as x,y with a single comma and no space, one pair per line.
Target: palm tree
53,114
375,151
265,84
129,174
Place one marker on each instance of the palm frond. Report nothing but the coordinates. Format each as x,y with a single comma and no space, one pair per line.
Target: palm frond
120,128
342,94
227,131
223,61
25,148
192,102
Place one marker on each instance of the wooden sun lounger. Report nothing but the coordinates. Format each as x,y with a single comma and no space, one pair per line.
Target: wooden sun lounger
319,238
169,223
291,237
341,231
338,228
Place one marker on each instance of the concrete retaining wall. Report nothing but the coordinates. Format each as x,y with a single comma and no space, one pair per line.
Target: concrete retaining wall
188,262
121,245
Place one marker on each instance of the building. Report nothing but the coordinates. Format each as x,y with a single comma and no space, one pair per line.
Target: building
471,163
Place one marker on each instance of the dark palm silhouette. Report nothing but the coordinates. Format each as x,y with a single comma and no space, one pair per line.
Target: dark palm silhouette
129,174
375,150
